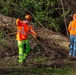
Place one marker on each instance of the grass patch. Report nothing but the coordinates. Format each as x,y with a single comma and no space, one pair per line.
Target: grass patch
40,59
35,71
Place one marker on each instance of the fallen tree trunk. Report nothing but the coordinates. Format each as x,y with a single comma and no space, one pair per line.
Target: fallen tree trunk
54,41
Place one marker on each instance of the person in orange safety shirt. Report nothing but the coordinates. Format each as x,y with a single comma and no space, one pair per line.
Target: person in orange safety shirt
23,30
72,31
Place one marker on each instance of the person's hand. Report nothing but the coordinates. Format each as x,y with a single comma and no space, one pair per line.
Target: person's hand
35,37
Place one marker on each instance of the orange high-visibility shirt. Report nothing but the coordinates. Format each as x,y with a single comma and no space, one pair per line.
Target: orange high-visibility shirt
23,30
72,27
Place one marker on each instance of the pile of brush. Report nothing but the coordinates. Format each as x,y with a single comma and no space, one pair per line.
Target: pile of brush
49,40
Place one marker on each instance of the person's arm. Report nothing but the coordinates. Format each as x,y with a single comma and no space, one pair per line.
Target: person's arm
33,32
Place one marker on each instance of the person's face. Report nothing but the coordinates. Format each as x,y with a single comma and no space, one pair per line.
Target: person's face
27,21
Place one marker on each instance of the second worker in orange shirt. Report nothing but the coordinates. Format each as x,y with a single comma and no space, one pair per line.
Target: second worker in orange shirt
72,31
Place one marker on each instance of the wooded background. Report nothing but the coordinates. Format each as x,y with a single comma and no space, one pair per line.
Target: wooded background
52,14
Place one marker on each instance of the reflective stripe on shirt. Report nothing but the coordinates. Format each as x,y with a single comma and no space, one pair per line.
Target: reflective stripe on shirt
73,28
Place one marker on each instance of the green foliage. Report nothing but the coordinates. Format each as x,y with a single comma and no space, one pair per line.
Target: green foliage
48,12
5,6
66,12
54,25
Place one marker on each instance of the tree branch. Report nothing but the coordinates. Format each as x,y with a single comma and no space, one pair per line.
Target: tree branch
64,16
